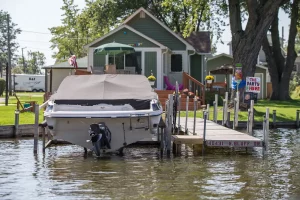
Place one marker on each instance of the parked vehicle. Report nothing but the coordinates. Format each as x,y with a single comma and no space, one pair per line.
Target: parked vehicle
28,82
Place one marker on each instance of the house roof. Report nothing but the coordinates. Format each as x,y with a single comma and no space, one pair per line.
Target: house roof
188,45
229,56
81,62
220,55
129,28
200,41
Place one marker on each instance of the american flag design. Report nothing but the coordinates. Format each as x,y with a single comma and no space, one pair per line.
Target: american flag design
73,62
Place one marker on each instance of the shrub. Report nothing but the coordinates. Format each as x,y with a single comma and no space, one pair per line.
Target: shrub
210,98
209,77
294,83
2,86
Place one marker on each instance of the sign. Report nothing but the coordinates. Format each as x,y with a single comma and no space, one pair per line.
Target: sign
230,143
253,84
248,96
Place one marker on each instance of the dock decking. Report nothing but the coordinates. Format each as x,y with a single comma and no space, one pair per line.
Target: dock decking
216,135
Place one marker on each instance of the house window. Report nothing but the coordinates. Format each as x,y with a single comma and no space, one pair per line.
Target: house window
176,63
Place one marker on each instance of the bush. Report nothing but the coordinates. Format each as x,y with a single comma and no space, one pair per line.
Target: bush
210,98
294,83
2,86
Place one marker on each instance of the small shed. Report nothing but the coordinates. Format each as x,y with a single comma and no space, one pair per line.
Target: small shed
57,72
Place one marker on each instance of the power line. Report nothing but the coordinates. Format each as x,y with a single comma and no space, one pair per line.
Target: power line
36,32
34,41
51,34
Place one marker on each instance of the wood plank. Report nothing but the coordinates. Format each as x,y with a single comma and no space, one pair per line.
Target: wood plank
187,139
216,135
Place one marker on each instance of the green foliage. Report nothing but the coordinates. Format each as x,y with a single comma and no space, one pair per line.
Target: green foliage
294,83
2,86
14,31
296,93
210,98
35,61
17,70
100,16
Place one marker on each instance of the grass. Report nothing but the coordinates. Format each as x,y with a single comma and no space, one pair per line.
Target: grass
285,111
7,115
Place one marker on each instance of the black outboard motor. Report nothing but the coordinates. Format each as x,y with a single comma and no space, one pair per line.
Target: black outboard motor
100,137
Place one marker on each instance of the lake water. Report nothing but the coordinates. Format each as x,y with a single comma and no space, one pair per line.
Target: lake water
65,173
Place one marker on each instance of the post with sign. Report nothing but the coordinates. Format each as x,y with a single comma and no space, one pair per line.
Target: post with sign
253,87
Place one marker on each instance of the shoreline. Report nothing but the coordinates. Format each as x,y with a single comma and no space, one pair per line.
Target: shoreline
27,130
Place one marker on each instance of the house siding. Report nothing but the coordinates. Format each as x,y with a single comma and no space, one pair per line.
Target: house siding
150,64
152,29
196,66
126,36
218,62
99,61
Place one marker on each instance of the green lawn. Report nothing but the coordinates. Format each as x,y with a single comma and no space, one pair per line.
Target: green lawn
285,111
7,114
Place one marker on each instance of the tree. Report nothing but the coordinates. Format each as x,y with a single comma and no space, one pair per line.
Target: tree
280,68
66,37
17,70
100,16
35,61
247,43
14,31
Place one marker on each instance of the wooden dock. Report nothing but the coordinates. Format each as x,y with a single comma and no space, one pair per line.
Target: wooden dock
215,135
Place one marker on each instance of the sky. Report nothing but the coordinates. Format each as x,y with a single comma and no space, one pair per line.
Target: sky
34,17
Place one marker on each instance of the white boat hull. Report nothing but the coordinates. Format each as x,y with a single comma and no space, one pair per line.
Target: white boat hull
75,130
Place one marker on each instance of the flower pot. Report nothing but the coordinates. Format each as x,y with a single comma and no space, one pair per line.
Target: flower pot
209,81
152,83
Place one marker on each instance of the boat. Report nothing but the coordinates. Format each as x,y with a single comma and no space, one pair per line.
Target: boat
125,105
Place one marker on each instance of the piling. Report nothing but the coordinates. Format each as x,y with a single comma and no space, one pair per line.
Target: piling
195,109
169,128
207,110
179,108
204,133
251,123
237,107
36,129
225,107
297,118
216,108
228,119
186,114
16,128
248,121
274,118
224,113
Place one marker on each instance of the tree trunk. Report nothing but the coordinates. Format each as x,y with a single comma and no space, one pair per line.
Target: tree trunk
280,69
246,43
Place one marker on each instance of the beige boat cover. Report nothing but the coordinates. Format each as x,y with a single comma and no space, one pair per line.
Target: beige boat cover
104,86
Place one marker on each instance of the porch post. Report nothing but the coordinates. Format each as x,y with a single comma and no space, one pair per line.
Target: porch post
159,69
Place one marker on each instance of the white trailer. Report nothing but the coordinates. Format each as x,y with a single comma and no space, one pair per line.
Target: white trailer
28,82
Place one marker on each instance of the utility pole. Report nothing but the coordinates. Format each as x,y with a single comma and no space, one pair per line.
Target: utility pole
9,57
24,68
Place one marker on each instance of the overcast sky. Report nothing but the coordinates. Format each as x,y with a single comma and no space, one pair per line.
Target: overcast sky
39,15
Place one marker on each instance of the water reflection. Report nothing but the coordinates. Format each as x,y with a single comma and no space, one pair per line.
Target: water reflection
64,173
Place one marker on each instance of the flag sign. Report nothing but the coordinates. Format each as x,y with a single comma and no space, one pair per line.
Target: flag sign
73,62
253,84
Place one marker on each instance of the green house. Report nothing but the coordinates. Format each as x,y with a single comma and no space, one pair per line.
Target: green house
157,49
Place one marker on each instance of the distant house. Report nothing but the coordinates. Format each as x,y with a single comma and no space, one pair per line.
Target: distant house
157,49
57,72
222,59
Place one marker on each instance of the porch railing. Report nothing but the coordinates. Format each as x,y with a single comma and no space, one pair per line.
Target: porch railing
194,85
